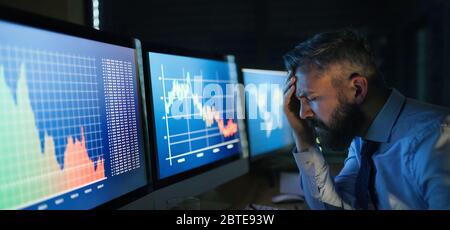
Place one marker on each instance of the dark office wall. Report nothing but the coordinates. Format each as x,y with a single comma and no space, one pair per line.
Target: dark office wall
422,52
67,10
410,38
257,31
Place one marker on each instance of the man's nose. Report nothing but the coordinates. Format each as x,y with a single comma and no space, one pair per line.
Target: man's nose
305,110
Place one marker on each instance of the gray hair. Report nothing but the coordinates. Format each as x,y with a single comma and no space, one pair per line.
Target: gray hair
339,47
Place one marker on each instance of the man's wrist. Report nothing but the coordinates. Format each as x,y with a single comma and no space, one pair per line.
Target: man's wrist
303,146
303,142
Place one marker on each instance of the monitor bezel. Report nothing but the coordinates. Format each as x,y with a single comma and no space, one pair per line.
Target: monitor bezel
23,18
148,47
279,151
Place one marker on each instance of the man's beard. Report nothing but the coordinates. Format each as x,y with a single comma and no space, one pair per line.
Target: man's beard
346,122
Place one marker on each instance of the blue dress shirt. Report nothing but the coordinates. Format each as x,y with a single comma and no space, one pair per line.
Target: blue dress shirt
412,163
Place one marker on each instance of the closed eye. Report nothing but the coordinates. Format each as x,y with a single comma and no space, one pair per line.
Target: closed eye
310,98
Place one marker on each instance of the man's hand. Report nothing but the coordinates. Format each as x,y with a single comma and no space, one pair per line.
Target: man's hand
303,134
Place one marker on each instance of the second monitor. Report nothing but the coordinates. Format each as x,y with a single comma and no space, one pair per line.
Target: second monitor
194,127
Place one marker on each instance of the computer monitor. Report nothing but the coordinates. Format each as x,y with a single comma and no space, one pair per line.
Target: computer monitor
70,118
196,133
197,138
268,129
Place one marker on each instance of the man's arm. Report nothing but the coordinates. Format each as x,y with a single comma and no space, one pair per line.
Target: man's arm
431,166
321,190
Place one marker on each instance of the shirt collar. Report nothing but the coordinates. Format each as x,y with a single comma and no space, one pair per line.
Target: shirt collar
381,127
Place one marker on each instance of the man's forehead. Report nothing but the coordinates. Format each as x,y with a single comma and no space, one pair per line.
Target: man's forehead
305,81
307,73
316,80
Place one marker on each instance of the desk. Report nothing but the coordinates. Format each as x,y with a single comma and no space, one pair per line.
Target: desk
256,187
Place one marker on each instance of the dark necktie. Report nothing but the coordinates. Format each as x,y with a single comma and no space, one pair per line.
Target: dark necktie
365,183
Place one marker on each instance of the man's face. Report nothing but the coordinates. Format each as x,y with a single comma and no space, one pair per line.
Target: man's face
325,105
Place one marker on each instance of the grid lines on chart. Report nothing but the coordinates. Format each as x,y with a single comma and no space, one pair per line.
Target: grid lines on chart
63,93
206,134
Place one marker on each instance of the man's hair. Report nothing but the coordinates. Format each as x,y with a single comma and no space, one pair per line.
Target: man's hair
345,47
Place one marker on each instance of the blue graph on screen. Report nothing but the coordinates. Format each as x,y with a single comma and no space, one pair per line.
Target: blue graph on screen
68,105
200,134
269,130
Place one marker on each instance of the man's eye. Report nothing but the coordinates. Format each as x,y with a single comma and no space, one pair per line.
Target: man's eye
312,99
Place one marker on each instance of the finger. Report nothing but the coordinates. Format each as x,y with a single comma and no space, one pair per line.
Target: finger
288,98
291,91
289,76
291,81
289,85
288,94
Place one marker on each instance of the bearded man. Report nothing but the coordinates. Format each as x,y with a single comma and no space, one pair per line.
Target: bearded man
399,157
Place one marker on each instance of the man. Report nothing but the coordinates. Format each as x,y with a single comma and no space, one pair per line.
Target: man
399,157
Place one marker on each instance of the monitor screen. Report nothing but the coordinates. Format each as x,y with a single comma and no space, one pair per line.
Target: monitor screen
194,125
268,128
70,125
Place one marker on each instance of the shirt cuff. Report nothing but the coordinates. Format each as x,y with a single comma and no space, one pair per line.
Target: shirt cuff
310,162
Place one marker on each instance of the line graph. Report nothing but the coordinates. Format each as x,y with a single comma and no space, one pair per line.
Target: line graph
191,131
184,91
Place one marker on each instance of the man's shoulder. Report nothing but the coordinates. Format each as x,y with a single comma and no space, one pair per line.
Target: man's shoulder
418,120
415,109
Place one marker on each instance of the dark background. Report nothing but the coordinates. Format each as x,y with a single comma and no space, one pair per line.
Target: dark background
411,38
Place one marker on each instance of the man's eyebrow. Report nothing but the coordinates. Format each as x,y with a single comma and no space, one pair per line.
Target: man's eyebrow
304,93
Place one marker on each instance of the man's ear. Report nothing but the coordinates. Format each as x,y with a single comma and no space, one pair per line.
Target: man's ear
360,86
